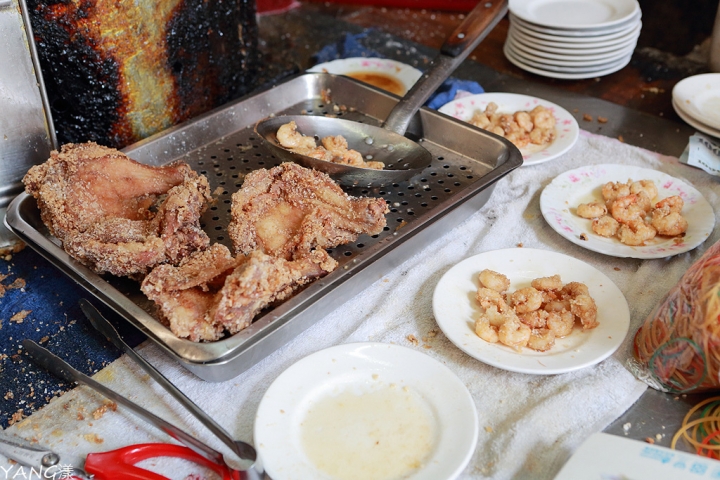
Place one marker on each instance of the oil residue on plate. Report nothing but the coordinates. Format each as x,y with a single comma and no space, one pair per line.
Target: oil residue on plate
384,433
380,80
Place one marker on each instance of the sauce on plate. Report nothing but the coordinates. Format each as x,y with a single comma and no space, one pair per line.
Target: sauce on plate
380,80
386,433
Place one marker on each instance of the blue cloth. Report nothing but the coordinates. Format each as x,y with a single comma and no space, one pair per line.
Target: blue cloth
54,321
350,45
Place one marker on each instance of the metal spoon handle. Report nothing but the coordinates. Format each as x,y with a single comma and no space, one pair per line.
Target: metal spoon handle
477,24
62,369
101,324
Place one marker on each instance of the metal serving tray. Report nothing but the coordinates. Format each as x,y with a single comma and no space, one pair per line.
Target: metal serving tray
467,162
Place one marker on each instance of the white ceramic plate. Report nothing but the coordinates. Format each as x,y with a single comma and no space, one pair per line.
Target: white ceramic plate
570,48
361,368
455,310
693,122
404,73
581,185
569,58
555,66
575,14
572,36
567,127
564,75
699,97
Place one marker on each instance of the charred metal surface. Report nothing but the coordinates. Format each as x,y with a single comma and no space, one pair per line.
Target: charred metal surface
208,69
117,71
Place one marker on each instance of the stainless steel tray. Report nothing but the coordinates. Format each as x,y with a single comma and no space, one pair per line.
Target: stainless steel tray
222,145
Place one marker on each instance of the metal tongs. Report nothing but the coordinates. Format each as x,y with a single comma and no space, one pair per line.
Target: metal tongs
61,369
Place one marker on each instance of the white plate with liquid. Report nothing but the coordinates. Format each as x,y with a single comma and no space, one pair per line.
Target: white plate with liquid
366,411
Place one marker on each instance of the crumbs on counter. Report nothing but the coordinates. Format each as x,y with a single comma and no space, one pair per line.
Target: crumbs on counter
620,137
602,120
20,316
412,339
587,117
16,417
18,283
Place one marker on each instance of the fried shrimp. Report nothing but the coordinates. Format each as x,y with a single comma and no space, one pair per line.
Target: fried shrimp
612,191
605,226
494,280
672,204
514,333
561,323
541,339
487,298
646,186
526,300
626,209
534,316
591,210
289,137
484,330
583,307
668,223
636,233
547,283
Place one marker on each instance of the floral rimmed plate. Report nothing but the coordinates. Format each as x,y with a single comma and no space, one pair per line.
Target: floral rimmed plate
365,68
456,310
582,185
567,129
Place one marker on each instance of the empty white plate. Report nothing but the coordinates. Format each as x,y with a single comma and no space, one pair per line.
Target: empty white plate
572,49
548,66
575,14
569,59
699,97
693,122
565,75
589,40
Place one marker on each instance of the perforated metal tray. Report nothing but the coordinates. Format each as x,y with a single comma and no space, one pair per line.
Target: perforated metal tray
223,146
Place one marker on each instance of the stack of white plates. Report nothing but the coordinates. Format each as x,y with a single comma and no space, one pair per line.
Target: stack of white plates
572,39
696,100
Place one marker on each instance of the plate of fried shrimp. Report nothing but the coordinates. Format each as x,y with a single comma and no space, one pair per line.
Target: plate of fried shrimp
531,311
540,129
627,211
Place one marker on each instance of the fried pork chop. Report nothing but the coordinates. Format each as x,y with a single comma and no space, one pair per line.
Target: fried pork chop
211,292
116,215
290,210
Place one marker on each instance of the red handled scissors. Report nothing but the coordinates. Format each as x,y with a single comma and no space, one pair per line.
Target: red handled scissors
113,465
120,464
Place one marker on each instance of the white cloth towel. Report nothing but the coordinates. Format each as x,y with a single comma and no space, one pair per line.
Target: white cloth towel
529,425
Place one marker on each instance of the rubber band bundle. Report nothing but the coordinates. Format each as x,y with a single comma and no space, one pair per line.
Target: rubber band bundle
678,346
701,428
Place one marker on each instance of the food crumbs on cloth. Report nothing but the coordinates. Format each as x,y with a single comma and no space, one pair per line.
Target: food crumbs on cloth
93,438
617,269
489,429
102,409
520,245
587,117
9,396
412,339
20,316
620,137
